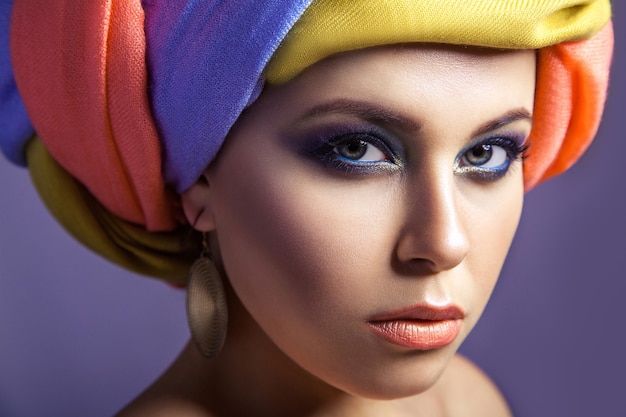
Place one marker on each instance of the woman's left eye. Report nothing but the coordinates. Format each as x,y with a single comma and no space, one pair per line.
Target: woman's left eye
491,159
486,156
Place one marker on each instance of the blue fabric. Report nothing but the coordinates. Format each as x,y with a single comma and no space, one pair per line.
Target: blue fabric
15,127
205,62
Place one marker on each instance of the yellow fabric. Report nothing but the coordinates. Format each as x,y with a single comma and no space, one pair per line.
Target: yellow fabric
165,255
331,26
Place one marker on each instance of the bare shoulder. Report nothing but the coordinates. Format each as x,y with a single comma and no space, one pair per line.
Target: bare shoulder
174,393
467,391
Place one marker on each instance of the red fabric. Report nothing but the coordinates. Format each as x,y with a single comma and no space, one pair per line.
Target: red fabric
80,68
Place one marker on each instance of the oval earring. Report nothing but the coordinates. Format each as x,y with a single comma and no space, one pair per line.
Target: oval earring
207,313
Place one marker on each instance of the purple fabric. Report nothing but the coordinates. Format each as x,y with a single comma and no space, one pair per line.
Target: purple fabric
15,127
205,60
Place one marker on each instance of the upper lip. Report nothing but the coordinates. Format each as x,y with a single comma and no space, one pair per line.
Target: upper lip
421,312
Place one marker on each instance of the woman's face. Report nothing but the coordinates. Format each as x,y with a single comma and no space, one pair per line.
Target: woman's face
364,209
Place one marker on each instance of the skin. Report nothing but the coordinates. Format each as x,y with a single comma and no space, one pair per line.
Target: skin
314,248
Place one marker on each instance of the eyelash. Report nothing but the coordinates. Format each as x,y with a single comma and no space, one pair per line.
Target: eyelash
515,151
327,154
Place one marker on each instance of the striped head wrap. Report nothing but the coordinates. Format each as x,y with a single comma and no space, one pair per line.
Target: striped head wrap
131,100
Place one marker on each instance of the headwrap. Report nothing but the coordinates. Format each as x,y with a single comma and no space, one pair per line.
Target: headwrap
133,100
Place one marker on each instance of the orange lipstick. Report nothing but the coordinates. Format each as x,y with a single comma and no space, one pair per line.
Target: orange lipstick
419,327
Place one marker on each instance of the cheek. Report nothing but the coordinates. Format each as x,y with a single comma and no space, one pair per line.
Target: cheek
307,259
301,243
493,227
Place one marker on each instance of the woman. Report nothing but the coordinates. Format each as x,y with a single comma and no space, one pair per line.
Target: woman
383,204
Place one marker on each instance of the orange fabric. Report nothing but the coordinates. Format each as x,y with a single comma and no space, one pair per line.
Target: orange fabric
121,161
572,81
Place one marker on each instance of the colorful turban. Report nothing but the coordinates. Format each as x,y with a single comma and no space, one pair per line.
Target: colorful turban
131,100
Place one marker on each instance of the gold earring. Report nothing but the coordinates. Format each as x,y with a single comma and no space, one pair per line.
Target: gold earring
207,313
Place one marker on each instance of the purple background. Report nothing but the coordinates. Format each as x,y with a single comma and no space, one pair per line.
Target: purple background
79,336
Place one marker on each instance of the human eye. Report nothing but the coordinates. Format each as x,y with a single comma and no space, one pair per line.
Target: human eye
356,153
356,149
490,159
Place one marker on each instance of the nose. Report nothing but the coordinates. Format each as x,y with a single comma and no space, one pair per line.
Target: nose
433,237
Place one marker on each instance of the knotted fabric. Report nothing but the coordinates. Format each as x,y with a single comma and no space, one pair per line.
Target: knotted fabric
166,255
133,100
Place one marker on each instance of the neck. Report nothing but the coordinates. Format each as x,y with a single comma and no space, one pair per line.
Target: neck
251,367
253,377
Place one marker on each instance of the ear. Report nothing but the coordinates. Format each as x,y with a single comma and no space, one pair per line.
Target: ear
196,202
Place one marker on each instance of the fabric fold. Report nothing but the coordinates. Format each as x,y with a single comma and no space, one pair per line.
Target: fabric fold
165,255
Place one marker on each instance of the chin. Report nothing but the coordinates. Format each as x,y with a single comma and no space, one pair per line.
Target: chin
392,390
394,382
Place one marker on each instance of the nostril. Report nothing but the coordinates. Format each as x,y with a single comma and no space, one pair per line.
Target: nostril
416,267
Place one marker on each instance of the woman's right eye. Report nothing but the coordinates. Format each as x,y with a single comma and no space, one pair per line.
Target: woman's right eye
358,150
356,153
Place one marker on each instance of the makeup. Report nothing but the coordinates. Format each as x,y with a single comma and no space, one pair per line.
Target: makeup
419,327
490,159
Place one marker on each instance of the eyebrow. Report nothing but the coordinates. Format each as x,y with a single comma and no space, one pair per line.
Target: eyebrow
379,115
363,110
505,119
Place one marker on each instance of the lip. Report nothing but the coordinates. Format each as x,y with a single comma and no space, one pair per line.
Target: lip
420,327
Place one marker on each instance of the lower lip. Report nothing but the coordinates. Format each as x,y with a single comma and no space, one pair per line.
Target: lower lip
418,334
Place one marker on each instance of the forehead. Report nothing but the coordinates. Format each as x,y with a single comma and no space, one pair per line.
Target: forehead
413,77
422,63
